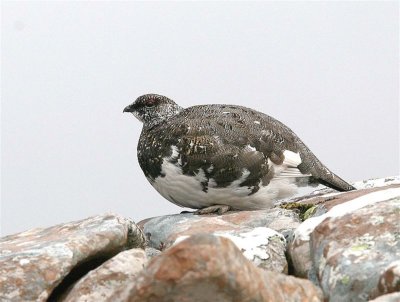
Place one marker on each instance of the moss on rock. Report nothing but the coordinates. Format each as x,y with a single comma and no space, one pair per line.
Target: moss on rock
305,210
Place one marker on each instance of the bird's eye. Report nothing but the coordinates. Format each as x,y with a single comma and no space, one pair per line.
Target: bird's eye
150,103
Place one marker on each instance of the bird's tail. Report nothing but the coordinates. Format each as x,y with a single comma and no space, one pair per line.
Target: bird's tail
333,181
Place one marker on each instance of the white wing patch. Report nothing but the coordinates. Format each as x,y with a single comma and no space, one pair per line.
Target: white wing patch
291,159
288,168
249,148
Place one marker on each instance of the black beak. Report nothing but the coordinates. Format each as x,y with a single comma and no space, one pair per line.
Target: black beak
129,108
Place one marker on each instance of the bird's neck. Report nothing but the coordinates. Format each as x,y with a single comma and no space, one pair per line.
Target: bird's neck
162,116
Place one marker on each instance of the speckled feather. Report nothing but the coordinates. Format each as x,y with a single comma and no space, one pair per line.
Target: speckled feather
220,142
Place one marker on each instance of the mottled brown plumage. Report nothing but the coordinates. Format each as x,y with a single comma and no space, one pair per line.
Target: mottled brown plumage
223,143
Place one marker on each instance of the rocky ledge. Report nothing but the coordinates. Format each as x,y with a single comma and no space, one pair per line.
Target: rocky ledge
326,246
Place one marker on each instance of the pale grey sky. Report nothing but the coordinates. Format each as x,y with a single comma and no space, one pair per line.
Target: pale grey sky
329,70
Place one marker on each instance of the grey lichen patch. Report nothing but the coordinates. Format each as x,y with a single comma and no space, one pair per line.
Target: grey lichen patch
277,238
362,245
376,220
305,210
136,237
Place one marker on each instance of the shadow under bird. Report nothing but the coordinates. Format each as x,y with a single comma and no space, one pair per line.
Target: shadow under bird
217,158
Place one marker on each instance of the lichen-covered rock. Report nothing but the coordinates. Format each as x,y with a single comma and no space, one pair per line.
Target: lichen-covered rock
211,268
342,203
159,229
263,246
116,273
256,233
349,245
355,255
377,182
151,252
324,200
326,194
394,297
389,279
35,262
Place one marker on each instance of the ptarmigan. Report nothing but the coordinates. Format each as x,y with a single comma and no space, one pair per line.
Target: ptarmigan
217,158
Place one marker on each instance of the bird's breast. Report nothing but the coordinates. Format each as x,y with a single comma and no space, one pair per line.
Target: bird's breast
197,189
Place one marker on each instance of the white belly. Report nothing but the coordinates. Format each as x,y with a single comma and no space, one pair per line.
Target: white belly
187,191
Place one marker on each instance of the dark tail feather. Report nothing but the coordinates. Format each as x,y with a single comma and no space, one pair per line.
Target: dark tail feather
335,182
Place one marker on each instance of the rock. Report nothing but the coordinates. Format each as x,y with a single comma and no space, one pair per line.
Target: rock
323,203
355,255
348,246
377,182
394,297
39,264
211,268
252,231
263,246
389,279
299,248
327,193
151,252
114,274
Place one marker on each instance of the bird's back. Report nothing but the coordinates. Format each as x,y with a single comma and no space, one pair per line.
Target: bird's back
220,142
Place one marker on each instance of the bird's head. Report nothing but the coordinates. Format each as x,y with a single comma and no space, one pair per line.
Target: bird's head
151,109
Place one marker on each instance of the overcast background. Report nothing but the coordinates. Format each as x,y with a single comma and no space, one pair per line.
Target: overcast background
329,70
